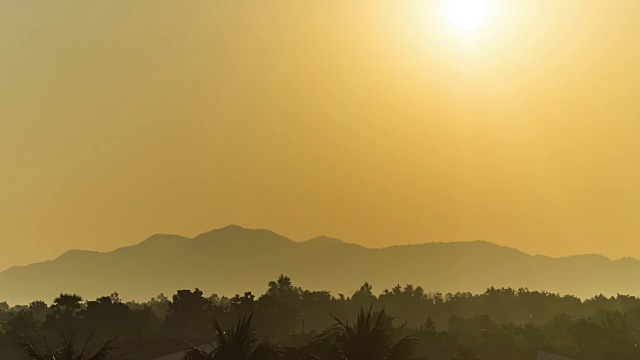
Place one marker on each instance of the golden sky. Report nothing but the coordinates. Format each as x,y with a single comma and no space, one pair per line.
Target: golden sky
377,122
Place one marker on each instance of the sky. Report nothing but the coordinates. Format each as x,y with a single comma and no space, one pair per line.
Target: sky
376,122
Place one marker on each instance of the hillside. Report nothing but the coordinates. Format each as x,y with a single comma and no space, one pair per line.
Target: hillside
234,260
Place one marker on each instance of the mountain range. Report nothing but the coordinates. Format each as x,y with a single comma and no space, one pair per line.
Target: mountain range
232,260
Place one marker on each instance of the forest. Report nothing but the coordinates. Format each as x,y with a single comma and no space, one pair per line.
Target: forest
289,322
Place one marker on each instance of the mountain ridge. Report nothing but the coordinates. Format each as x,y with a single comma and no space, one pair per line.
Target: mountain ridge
233,259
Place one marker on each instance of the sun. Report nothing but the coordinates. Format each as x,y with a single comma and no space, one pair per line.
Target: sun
467,15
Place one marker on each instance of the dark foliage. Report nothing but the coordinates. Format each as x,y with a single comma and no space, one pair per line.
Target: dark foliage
298,324
67,349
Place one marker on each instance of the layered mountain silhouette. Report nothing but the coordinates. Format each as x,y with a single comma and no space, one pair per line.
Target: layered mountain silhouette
233,260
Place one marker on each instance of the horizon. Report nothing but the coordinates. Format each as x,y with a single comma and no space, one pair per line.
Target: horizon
327,237
123,270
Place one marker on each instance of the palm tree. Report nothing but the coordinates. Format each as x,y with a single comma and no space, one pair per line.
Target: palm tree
238,343
370,337
65,351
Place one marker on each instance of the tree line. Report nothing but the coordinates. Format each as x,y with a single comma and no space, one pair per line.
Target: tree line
298,323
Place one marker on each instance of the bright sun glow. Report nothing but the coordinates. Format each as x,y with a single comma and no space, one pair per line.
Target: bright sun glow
467,15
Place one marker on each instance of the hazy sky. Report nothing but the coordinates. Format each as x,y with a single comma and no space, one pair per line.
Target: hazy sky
377,122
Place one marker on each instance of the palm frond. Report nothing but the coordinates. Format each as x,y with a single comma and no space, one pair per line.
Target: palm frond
46,343
104,353
29,349
86,343
368,337
65,351
237,342
197,354
403,348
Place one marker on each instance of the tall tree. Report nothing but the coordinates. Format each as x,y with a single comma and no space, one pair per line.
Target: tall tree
190,315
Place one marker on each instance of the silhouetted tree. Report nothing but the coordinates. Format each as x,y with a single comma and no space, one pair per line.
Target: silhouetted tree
428,332
238,343
368,338
159,305
243,305
602,327
276,312
21,323
190,315
364,295
63,317
39,310
66,350
111,317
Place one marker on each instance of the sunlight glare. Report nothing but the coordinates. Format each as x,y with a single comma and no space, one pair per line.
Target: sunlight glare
467,15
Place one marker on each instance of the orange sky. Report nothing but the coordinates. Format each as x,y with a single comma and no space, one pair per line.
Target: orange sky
372,121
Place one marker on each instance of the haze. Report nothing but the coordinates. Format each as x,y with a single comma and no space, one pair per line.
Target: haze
375,122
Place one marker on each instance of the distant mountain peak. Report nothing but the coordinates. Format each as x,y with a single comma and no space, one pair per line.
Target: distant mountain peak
162,237
232,227
238,230
322,241
234,234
